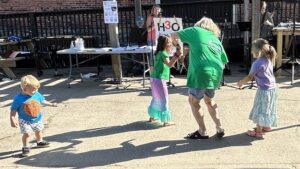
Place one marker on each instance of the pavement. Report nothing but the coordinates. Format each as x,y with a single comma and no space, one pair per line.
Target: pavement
99,126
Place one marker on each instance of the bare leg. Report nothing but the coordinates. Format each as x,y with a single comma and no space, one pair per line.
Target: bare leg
198,114
39,136
259,129
25,139
213,111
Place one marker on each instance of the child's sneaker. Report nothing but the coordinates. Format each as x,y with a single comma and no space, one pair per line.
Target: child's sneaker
42,144
25,151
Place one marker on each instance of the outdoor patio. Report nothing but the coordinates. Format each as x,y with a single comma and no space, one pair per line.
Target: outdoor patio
97,125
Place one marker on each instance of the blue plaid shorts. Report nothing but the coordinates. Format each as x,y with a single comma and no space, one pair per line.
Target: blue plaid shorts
28,127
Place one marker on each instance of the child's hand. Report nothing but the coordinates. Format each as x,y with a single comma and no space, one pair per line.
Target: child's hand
54,105
14,122
151,69
179,51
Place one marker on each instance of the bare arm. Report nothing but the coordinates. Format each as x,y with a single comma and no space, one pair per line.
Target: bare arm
176,56
175,38
47,103
149,25
245,80
13,119
171,62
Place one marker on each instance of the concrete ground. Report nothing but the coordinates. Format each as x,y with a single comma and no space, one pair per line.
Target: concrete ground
99,126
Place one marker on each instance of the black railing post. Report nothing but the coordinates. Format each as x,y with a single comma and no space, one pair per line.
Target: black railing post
33,25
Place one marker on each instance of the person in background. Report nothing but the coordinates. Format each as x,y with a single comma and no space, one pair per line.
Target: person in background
151,36
264,110
159,108
207,58
27,105
267,23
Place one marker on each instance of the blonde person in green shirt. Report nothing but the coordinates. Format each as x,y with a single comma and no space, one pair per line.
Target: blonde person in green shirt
159,108
207,58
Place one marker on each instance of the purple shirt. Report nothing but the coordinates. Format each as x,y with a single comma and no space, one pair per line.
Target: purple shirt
262,70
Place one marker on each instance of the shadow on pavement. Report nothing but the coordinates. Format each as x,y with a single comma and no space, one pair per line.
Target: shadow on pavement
64,157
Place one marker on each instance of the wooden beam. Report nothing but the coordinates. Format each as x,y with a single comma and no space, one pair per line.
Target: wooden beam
255,33
115,59
137,8
6,63
9,62
114,42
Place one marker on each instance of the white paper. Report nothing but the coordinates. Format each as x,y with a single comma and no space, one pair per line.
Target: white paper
167,25
110,9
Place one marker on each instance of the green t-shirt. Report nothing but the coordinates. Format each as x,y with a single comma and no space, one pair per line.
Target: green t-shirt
161,70
206,58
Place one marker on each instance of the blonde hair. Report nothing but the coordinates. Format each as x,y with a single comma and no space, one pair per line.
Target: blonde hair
30,82
262,48
208,24
153,7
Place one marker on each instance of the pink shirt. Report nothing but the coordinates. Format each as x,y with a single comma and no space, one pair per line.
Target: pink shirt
152,34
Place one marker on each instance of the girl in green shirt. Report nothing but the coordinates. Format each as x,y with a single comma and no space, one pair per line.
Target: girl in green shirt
158,108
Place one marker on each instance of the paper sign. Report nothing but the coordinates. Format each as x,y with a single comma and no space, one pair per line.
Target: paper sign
110,9
167,25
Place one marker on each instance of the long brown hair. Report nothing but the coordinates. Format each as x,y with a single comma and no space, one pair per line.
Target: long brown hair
262,48
162,41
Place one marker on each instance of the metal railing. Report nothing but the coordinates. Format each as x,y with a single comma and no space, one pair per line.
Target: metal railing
91,22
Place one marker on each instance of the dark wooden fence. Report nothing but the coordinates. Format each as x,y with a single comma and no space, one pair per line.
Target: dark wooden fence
91,22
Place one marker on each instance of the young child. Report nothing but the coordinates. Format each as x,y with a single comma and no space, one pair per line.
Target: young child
158,108
264,111
28,106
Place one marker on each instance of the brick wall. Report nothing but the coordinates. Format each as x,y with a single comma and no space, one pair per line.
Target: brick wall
15,6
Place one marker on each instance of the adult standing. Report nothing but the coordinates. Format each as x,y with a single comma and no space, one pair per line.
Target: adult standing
151,36
207,58
267,23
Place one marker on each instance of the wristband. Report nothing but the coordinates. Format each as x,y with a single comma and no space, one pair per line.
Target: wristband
176,56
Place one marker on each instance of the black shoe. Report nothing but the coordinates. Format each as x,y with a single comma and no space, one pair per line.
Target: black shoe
220,134
196,135
42,144
25,151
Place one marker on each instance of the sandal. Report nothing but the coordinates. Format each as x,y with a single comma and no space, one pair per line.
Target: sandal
151,119
253,133
166,124
265,129
196,135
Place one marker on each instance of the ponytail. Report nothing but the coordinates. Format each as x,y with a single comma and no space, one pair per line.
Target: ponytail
272,54
262,48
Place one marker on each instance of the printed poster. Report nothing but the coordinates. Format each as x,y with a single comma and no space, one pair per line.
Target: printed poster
110,9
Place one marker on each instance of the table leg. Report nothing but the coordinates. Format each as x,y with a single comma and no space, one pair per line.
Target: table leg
70,71
279,53
77,67
144,69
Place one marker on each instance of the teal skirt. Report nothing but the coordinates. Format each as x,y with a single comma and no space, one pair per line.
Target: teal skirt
158,107
264,110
